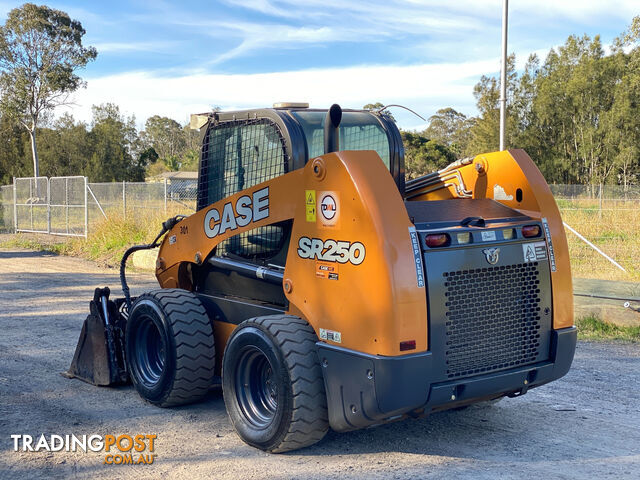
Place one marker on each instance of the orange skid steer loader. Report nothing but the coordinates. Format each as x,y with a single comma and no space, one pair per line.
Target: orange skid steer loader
325,291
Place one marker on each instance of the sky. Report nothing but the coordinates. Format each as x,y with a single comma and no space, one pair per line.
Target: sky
176,58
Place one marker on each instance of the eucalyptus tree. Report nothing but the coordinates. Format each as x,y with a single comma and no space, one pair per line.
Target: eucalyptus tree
40,50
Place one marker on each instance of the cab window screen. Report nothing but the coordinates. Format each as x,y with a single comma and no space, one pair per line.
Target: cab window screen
358,131
239,155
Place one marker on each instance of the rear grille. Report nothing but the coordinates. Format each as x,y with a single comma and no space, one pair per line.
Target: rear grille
493,318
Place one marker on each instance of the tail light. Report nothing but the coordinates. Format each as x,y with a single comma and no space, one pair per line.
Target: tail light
437,240
407,345
531,231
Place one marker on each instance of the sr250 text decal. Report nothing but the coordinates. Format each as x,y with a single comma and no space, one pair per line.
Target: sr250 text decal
331,250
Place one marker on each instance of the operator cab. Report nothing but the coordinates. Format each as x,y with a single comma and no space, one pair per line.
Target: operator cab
244,148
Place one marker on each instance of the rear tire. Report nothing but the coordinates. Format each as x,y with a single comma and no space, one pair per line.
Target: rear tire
169,347
273,385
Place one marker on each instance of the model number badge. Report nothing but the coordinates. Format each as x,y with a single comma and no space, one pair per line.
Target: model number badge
331,250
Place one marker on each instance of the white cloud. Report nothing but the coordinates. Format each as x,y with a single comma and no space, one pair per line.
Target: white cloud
424,88
121,47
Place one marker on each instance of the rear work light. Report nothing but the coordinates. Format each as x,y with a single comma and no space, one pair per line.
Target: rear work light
436,239
531,231
464,237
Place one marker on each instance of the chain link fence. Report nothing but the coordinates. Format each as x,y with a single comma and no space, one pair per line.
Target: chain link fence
70,205
6,209
606,215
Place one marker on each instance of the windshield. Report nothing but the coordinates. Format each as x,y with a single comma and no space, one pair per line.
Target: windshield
358,131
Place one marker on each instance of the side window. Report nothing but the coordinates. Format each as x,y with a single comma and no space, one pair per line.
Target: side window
239,155
358,131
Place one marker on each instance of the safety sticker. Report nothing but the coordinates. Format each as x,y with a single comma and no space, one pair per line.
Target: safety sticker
417,256
310,197
310,205
327,270
329,206
488,235
330,335
552,255
311,213
533,252
172,239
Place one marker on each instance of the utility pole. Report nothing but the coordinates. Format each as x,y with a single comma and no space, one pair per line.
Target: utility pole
503,74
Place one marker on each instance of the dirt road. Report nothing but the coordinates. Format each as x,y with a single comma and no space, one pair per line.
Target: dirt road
586,425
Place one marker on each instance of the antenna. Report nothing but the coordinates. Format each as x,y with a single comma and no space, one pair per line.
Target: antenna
503,74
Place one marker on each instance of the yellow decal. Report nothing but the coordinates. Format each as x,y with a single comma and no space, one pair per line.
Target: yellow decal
310,197
310,203
311,213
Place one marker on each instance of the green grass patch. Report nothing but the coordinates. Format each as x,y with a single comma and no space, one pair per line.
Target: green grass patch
36,242
592,328
106,243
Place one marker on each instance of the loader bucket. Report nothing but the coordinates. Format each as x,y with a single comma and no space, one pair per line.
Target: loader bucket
99,356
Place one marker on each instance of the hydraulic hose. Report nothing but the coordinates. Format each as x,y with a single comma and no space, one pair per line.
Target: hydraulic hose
166,226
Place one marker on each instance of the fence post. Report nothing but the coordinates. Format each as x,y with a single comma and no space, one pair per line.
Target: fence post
15,207
66,205
48,205
124,199
86,209
165,196
600,198
31,185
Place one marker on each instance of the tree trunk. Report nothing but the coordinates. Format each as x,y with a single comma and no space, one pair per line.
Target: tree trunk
34,153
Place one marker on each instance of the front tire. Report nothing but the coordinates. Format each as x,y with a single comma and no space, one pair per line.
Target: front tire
273,385
170,348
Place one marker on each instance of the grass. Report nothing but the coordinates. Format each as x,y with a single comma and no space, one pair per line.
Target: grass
615,230
592,328
107,240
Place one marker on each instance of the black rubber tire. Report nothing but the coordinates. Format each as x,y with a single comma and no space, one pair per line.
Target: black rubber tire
299,418
182,370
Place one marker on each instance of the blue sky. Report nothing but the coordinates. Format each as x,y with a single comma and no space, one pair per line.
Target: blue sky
176,58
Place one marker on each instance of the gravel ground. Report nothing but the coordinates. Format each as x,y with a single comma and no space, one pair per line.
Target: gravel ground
586,425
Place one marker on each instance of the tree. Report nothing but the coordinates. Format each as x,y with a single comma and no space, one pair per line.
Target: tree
450,128
423,155
378,107
165,135
40,48
115,147
62,148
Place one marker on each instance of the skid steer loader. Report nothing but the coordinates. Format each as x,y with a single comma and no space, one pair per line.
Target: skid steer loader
326,291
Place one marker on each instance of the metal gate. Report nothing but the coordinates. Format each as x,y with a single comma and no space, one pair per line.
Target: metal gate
56,206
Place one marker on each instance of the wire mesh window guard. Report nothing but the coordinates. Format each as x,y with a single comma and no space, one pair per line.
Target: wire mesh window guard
236,156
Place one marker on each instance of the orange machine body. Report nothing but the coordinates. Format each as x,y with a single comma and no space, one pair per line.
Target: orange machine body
350,269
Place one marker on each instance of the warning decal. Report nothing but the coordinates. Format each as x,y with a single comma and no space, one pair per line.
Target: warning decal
327,270
533,252
552,255
330,335
417,256
310,205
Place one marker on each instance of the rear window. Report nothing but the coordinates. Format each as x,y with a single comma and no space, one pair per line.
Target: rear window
358,131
